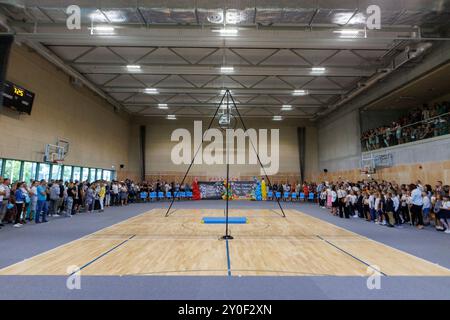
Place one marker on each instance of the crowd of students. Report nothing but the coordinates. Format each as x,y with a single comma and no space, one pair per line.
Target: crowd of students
418,124
381,202
388,203
21,202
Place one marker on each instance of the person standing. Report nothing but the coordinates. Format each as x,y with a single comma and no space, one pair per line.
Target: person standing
115,193
5,192
54,199
426,208
71,195
341,194
41,207
416,206
101,196
90,198
20,204
108,194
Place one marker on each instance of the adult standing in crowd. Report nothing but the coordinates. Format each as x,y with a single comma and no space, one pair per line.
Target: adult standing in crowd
41,208
4,198
416,206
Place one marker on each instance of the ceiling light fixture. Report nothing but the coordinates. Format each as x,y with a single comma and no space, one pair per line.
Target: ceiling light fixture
133,67
300,92
151,91
286,107
171,117
163,106
102,30
226,69
277,118
348,33
226,31
318,70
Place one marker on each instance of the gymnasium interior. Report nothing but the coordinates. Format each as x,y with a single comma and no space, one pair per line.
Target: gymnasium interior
224,149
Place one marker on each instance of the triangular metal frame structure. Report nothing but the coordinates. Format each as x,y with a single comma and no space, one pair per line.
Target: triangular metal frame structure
229,104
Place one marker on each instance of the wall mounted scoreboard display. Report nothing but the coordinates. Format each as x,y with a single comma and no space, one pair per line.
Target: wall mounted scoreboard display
17,98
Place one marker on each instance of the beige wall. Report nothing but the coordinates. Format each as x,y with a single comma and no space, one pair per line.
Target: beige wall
98,136
159,146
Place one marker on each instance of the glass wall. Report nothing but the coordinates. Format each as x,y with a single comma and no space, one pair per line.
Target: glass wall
76,174
106,175
91,175
67,173
12,170
85,174
99,175
44,171
29,171
18,170
56,172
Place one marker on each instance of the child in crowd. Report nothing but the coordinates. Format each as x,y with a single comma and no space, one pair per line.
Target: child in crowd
426,208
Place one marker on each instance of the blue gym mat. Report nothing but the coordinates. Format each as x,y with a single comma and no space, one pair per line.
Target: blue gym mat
222,220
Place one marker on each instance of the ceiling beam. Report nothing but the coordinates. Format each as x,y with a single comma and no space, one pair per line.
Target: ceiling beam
184,37
161,69
216,91
212,105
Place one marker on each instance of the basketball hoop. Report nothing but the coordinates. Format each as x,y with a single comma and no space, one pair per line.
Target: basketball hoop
58,162
54,154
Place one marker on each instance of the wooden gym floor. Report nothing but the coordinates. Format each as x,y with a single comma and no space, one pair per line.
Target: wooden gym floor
298,245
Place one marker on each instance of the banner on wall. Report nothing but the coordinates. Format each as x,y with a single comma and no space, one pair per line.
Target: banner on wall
211,190
243,189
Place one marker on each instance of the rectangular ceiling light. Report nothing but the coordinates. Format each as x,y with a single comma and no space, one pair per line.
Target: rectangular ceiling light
286,107
348,33
300,92
226,69
133,67
318,70
163,106
226,31
102,30
171,117
277,118
151,91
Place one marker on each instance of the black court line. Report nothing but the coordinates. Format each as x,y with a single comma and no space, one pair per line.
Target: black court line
102,255
349,254
228,258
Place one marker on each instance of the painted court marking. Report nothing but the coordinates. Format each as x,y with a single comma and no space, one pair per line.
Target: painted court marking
103,254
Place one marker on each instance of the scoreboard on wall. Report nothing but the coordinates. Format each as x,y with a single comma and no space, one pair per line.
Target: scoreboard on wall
17,98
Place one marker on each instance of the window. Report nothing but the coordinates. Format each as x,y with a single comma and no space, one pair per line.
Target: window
44,171
56,172
67,173
1,166
85,174
99,175
91,175
29,171
12,170
76,173
106,175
